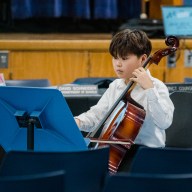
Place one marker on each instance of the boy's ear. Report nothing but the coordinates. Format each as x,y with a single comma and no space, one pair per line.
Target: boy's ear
143,58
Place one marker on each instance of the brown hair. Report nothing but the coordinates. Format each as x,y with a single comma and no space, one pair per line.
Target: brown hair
130,42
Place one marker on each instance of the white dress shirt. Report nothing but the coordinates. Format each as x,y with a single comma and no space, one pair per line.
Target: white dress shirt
156,101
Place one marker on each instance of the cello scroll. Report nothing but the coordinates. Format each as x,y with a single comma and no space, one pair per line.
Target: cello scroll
172,42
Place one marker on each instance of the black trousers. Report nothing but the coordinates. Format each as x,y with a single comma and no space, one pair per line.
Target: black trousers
129,156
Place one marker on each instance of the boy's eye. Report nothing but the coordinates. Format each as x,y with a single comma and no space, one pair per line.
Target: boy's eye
125,58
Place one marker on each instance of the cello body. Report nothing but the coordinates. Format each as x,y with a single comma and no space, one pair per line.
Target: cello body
124,125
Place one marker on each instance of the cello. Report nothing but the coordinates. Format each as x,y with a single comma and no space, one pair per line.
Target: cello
123,121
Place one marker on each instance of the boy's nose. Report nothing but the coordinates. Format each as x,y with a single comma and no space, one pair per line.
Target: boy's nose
119,63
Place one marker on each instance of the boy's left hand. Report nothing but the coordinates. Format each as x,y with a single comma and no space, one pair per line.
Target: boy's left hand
142,78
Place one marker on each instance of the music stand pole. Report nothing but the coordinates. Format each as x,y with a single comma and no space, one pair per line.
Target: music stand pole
30,134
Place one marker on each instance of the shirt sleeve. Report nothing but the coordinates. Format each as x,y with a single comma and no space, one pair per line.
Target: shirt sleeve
159,105
91,118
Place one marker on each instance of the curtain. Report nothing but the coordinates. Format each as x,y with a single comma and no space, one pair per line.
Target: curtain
87,9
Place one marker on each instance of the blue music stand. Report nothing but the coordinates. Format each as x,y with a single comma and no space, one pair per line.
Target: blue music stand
37,119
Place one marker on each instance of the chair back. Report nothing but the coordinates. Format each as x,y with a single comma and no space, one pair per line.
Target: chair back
162,161
85,170
148,182
48,181
179,134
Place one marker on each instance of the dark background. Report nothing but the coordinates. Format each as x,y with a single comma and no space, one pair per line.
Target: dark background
66,16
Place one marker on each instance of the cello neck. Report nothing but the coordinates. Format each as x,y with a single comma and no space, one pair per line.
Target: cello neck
96,133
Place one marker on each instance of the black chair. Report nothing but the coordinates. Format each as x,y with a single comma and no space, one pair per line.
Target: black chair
179,134
28,83
85,170
49,182
162,161
148,183
82,104
102,82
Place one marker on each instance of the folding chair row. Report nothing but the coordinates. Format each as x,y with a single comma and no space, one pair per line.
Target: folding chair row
137,182
47,181
85,170
155,169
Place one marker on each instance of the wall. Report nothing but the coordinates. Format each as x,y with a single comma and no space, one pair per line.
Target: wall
63,60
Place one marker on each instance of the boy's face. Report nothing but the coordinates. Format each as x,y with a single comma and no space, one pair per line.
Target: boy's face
124,67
